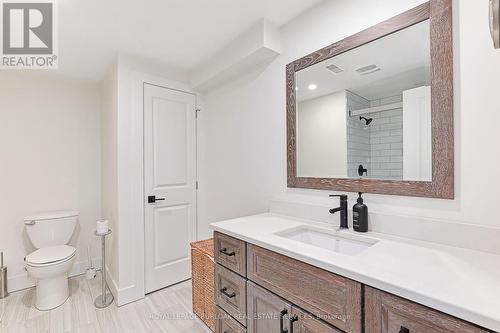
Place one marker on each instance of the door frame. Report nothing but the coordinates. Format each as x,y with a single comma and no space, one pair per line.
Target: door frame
193,172
136,173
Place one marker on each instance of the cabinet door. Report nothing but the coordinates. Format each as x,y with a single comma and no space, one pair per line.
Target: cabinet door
302,322
267,313
386,313
324,294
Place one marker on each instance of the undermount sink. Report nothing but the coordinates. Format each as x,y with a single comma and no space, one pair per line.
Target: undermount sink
330,240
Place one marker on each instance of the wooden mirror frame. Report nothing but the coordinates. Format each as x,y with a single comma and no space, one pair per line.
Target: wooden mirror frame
439,12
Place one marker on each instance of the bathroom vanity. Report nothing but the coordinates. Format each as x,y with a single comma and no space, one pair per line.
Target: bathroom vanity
371,113
281,274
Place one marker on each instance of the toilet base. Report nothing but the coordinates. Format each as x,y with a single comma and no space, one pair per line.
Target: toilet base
51,292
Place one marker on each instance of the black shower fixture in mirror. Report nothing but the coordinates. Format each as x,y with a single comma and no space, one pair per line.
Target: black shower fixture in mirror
368,121
362,170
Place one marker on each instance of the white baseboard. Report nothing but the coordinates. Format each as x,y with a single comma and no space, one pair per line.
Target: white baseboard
112,285
128,295
124,295
23,281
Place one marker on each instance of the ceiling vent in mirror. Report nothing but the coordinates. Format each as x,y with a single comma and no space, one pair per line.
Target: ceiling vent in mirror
368,69
334,69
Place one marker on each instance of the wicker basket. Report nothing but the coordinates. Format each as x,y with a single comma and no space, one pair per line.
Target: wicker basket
202,261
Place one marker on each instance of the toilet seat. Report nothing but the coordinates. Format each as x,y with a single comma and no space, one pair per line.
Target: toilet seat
50,255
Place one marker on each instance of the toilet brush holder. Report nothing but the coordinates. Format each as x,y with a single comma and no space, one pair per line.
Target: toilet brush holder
3,278
90,273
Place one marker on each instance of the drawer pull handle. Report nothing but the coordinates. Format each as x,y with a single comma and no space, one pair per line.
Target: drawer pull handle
224,291
404,330
229,254
293,319
282,324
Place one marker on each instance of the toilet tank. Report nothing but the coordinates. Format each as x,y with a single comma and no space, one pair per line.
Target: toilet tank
51,228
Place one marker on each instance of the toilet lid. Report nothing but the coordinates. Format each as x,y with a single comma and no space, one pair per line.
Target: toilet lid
50,254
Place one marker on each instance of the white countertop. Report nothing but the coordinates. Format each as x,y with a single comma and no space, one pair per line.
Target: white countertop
460,282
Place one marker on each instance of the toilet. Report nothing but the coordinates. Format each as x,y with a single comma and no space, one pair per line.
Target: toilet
50,263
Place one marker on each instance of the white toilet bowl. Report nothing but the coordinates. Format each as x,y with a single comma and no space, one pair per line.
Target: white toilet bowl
50,264
50,267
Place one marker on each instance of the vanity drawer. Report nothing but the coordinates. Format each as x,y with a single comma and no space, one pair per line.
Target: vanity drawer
231,293
386,313
230,253
226,324
326,295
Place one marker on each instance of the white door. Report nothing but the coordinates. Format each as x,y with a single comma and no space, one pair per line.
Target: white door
169,185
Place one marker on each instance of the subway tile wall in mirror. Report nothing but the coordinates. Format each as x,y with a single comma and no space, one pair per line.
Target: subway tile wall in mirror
366,113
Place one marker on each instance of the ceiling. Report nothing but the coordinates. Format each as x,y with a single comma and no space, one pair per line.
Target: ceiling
180,33
403,59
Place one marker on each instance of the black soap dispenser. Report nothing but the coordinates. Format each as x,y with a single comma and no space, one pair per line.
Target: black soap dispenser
360,215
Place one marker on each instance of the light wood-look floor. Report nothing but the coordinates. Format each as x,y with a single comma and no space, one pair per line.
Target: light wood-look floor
167,310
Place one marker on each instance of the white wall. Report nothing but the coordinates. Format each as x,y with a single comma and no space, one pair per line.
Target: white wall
109,164
235,151
50,160
322,136
245,163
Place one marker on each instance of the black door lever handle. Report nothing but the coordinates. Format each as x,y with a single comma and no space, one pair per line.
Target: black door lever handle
153,199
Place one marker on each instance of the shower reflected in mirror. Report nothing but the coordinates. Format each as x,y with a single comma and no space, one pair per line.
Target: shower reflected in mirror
371,107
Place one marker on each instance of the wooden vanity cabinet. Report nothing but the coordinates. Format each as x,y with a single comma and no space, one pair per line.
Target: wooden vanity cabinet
279,294
270,283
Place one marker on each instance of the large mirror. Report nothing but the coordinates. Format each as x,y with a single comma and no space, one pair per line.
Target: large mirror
374,112
366,113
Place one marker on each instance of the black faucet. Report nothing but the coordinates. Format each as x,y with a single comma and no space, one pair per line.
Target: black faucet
342,209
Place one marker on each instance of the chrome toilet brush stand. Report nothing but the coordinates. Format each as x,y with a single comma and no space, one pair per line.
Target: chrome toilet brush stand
3,279
106,298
